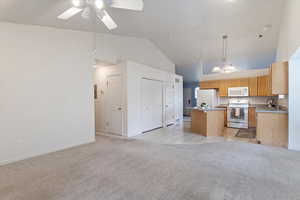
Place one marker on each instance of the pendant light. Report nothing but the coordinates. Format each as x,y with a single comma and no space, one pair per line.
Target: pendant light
225,67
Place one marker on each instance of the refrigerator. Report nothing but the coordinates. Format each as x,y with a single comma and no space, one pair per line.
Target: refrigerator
207,96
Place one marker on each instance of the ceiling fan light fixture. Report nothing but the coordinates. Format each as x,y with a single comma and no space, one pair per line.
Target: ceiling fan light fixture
99,4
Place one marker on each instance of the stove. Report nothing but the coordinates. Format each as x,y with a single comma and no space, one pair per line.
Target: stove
237,113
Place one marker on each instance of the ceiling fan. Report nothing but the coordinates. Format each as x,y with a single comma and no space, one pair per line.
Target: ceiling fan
98,6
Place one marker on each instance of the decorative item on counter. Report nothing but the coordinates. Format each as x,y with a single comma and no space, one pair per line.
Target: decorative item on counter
204,106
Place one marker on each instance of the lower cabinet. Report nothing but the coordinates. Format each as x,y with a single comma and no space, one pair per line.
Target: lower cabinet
225,117
208,123
252,117
272,129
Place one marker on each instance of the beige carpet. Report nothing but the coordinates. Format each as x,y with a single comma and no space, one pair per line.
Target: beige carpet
116,169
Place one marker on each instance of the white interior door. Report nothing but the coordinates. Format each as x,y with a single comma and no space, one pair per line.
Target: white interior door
114,110
170,103
152,104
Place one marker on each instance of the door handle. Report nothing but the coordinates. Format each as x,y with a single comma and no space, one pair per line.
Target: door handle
120,109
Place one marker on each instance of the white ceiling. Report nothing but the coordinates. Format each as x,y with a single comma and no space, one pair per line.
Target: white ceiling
187,31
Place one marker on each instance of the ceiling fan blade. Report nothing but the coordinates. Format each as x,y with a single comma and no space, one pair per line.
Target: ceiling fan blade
137,5
107,20
69,13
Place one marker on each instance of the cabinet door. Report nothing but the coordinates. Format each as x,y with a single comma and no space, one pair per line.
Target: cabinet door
252,117
280,78
209,84
242,82
225,118
223,88
264,86
252,86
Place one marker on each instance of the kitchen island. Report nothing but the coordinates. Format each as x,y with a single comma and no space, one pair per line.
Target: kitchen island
208,122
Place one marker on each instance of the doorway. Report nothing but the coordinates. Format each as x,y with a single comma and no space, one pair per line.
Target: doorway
108,100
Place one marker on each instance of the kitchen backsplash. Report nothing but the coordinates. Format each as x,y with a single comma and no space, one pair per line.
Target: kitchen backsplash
252,100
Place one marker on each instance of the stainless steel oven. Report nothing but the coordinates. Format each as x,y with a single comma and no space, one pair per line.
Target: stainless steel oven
237,113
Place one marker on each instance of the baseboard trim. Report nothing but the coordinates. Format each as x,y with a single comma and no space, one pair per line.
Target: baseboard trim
26,157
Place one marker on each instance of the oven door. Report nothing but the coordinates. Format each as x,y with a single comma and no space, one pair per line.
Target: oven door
237,114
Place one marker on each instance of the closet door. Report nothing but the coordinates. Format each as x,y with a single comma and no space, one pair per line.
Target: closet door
152,104
170,103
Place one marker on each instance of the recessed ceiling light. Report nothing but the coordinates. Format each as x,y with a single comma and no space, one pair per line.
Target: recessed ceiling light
231,1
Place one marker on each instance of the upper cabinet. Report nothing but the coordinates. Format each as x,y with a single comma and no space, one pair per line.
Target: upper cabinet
279,80
209,85
264,88
274,83
223,89
253,90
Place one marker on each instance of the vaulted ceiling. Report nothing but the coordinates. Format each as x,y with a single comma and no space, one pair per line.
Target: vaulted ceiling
189,32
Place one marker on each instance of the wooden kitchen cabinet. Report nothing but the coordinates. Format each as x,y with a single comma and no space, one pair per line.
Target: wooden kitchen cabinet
210,123
252,86
223,88
209,84
280,75
272,129
241,82
225,118
264,87
252,117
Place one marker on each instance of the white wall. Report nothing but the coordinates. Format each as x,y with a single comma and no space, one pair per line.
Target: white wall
239,74
46,84
46,98
289,39
134,73
112,48
294,102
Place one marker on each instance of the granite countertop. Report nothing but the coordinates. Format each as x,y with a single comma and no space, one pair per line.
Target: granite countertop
265,109
262,108
209,109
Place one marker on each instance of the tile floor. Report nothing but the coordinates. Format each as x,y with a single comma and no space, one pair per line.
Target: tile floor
181,134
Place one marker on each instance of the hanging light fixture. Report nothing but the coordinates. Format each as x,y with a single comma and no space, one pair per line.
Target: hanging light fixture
225,67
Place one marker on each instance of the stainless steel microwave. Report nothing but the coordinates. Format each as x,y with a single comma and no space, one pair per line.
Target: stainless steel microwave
238,92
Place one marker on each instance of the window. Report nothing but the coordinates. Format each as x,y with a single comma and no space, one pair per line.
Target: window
196,92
